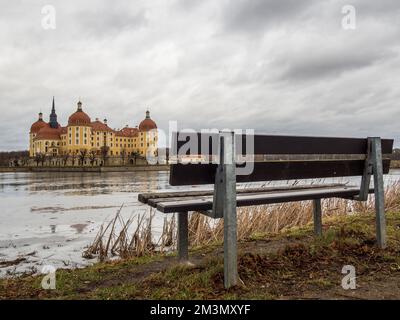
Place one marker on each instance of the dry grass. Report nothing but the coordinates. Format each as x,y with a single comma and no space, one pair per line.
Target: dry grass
134,240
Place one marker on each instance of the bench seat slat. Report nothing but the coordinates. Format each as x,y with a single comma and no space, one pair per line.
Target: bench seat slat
153,197
205,203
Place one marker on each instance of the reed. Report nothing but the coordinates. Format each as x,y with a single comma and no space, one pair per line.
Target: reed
136,239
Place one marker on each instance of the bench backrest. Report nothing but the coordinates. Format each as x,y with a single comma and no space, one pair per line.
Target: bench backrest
282,158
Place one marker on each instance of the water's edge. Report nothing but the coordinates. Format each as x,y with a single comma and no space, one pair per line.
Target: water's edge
87,169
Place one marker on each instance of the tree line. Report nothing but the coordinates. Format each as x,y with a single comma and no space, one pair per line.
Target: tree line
6,157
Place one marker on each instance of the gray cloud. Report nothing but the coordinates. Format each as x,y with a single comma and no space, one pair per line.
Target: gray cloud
256,15
284,67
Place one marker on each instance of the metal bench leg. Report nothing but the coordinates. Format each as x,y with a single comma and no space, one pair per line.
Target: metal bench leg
317,213
379,192
183,236
229,208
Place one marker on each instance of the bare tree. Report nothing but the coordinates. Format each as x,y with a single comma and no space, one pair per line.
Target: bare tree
135,155
104,154
73,157
82,155
42,159
123,155
92,156
37,158
65,158
49,158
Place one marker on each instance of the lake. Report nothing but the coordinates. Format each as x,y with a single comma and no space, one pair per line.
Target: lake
49,218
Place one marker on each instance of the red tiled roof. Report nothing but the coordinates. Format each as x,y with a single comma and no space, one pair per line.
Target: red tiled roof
48,133
147,124
127,132
36,126
79,118
100,126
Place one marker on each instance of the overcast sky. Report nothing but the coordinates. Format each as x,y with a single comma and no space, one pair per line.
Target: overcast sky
280,67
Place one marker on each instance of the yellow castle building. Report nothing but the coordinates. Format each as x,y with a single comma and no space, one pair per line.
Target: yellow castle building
90,141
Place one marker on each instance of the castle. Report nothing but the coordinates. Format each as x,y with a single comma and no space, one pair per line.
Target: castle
90,141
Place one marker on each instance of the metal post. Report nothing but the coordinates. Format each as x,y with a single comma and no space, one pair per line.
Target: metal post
229,211
183,236
376,150
317,213
366,177
219,187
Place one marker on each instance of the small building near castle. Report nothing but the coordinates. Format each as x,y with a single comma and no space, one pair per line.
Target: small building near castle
85,142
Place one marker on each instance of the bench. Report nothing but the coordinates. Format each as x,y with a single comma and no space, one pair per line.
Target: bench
224,159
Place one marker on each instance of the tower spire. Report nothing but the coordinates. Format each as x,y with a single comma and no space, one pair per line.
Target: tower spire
53,116
53,108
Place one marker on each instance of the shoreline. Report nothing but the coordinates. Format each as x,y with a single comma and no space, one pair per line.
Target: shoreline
159,167
87,169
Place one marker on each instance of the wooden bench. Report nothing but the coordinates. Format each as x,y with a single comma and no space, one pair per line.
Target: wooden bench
271,158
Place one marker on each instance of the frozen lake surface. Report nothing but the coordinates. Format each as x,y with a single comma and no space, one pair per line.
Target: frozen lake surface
49,218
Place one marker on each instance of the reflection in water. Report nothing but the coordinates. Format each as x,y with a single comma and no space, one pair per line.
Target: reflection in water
82,182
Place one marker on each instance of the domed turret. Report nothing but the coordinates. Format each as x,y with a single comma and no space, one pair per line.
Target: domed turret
147,124
39,124
79,118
